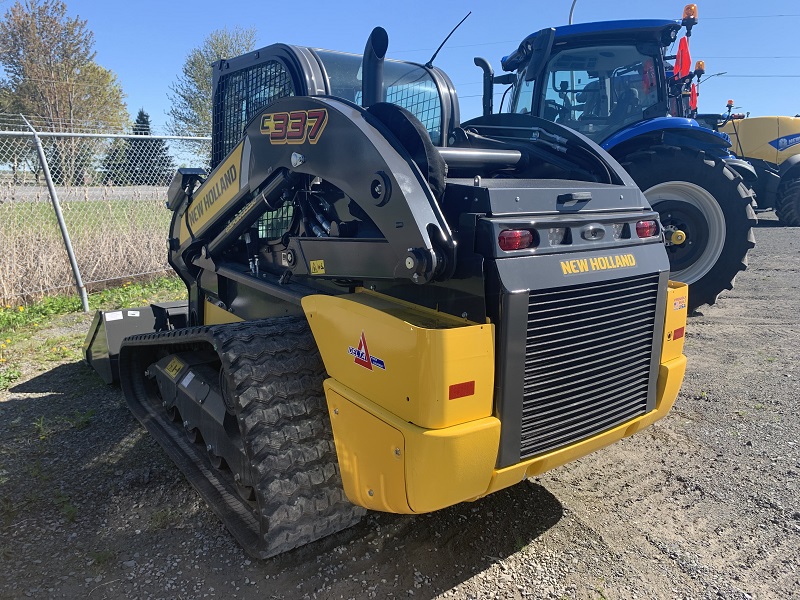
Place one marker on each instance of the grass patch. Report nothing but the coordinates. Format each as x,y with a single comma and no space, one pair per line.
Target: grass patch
102,557
68,509
36,470
112,236
8,375
41,428
14,318
80,420
164,518
20,324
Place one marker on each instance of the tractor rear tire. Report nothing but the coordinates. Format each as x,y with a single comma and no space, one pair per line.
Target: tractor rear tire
787,204
698,194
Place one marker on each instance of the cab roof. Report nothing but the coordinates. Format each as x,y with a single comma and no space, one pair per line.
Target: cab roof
659,30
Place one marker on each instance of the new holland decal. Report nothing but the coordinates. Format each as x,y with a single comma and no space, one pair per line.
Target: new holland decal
785,142
294,127
362,356
601,263
219,190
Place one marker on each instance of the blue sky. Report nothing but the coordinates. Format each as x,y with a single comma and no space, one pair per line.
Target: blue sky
146,42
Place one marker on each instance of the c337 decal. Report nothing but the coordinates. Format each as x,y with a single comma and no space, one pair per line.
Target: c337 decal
601,263
294,127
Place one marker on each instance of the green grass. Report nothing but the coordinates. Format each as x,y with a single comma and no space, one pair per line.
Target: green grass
68,509
125,296
80,420
20,326
164,518
102,557
114,215
8,375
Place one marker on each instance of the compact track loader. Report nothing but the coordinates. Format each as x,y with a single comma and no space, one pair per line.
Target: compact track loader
389,309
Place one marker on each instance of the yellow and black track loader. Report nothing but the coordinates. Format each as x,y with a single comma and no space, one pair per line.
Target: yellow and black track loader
389,309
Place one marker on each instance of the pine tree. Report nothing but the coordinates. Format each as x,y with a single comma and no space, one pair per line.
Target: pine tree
115,164
148,160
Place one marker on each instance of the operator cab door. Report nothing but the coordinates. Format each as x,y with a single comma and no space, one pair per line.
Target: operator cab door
596,90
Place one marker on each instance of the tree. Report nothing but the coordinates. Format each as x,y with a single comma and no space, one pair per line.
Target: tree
133,161
149,160
190,113
115,164
48,60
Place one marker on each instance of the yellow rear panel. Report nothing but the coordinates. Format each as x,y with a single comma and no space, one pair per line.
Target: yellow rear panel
428,368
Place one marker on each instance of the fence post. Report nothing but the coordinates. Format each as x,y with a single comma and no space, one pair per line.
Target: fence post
57,207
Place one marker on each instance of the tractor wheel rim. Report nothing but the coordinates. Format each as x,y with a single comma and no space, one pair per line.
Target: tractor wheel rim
703,253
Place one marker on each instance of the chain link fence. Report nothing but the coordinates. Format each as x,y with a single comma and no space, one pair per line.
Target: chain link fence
111,188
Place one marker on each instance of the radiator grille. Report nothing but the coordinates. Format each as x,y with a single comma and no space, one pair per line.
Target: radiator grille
587,363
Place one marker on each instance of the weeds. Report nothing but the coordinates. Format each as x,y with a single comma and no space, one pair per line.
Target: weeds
8,510
8,375
80,420
102,557
162,519
68,509
42,430
37,471
14,318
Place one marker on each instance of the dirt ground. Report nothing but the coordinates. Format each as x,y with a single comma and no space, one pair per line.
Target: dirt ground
702,505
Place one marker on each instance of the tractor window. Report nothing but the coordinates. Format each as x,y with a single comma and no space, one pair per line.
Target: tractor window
598,90
524,96
406,84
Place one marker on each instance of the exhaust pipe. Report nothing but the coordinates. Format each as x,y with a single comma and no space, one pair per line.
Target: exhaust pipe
372,67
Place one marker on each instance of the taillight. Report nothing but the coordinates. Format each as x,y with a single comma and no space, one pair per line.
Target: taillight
645,229
514,239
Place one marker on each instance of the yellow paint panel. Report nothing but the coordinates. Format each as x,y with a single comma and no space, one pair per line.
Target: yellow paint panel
447,466
751,137
214,315
407,468
221,187
371,456
675,321
417,356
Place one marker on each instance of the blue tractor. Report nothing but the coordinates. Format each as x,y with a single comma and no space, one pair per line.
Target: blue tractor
615,82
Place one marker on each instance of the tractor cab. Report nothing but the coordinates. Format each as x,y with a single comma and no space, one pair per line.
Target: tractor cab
596,78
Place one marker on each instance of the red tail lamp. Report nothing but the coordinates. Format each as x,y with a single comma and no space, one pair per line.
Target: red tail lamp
646,229
515,239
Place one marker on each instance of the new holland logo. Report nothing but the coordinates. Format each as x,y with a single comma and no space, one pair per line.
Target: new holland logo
785,142
362,356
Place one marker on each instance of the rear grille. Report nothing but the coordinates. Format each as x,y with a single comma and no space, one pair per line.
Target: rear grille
588,359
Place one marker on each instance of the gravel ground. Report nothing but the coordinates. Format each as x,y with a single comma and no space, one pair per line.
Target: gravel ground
702,505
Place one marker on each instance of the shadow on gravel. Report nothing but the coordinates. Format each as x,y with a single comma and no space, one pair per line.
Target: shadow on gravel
429,554
59,380
81,472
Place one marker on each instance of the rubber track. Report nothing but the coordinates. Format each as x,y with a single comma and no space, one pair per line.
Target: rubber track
277,376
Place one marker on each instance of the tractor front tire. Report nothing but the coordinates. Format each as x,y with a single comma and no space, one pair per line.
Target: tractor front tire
697,194
787,204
